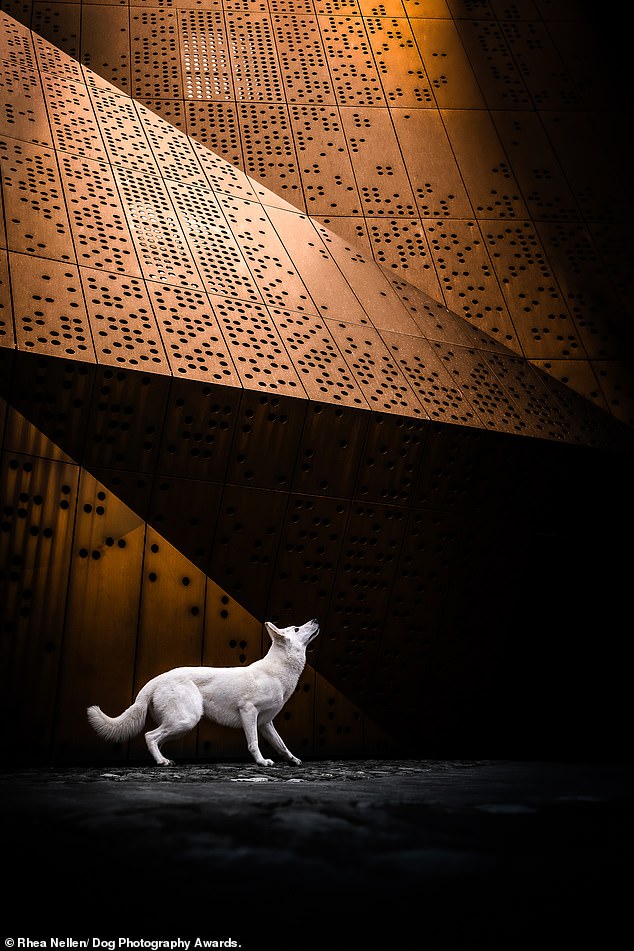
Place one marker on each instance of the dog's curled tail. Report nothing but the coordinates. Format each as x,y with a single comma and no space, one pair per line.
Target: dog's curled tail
123,727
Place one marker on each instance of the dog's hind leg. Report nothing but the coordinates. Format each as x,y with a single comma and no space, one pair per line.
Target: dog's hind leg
159,735
177,710
269,732
249,718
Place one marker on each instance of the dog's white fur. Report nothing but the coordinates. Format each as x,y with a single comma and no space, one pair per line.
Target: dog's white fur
248,697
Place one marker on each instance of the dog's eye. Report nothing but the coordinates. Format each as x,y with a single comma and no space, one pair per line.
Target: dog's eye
296,630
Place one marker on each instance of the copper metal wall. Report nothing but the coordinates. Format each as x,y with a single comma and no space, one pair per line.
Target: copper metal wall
218,409
474,148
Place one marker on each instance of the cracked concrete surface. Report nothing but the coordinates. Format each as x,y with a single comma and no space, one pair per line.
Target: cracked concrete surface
328,854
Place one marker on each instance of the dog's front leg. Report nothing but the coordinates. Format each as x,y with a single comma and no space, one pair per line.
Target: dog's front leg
270,733
249,718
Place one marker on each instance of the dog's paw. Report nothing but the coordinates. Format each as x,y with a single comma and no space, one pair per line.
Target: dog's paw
167,762
266,762
294,759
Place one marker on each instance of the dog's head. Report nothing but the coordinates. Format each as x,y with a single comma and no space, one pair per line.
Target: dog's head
301,636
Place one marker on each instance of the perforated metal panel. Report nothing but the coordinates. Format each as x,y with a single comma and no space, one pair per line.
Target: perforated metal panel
56,394
254,77
439,393
398,61
535,54
60,58
275,274
544,186
368,565
36,532
383,183
324,373
331,294
173,153
184,510
303,60
299,54
267,414
373,290
471,114
499,76
246,543
402,247
495,407
327,175
7,336
527,388
530,288
452,78
468,279
49,308
384,386
125,141
222,176
306,566
126,419
193,341
412,633
32,194
155,54
215,125
97,219
172,599
108,544
268,148
258,353
123,326
583,284
162,248
352,68
338,723
265,446
391,459
73,122
328,453
486,171
198,430
24,114
105,45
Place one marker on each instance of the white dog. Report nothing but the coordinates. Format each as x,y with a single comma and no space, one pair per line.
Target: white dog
248,697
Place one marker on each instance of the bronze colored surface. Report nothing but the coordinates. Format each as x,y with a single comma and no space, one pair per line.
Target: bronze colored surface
478,110
437,390
324,373
123,326
105,569
194,342
7,337
32,193
50,314
37,543
97,218
218,409
376,372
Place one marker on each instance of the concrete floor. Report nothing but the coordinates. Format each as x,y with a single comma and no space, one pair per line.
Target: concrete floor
355,854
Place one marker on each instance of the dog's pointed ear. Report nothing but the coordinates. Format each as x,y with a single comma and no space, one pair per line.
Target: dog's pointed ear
272,630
